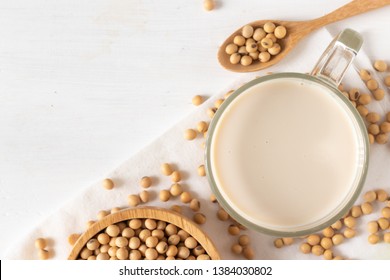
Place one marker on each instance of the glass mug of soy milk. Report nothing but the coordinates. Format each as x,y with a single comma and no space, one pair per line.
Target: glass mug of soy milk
287,154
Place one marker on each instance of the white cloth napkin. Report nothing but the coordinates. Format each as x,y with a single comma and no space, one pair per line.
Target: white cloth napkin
187,156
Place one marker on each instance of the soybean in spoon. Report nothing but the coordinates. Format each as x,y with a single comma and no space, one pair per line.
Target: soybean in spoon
296,30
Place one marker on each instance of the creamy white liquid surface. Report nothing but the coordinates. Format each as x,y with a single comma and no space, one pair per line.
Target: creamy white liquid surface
284,153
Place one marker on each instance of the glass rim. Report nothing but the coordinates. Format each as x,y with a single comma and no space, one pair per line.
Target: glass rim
361,177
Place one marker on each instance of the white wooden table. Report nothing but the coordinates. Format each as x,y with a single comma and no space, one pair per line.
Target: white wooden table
85,84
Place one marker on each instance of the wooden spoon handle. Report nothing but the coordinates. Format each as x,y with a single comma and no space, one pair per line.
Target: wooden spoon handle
351,9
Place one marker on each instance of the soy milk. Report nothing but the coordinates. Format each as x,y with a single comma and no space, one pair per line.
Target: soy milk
284,153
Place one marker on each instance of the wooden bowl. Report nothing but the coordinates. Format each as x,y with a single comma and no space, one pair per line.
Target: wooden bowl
144,213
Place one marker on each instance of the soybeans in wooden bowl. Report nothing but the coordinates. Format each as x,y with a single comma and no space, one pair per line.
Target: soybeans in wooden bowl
144,234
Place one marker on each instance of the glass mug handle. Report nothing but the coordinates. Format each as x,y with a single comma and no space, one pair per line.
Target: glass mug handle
336,59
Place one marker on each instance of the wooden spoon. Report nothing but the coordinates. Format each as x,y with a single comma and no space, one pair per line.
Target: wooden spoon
147,213
296,30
